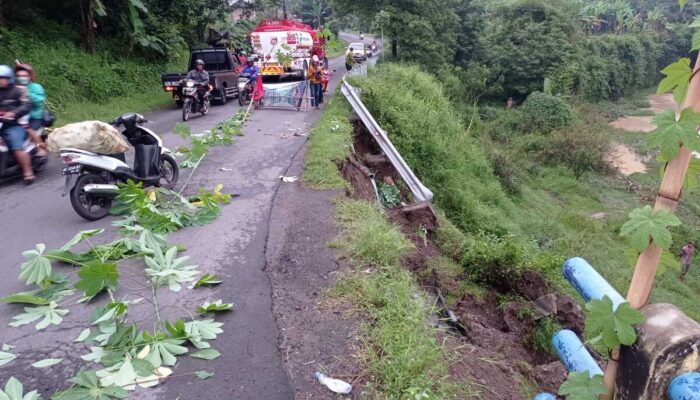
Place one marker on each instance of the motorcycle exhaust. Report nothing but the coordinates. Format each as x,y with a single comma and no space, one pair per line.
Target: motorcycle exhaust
100,188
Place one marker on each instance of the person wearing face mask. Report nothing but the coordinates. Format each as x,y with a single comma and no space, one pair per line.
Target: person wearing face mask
25,76
14,104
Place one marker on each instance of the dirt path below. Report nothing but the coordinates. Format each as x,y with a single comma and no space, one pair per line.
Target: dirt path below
621,156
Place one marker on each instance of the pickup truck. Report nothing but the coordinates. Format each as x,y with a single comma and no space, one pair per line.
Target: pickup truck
223,68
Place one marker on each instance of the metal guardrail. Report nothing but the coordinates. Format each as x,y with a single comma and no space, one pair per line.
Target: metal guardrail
420,192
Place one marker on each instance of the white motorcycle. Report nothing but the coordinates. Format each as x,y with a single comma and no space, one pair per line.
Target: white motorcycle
92,178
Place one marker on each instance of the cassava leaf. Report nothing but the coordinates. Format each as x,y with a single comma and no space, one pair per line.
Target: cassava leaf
207,354
204,374
165,269
6,357
670,133
49,314
84,334
645,225
677,79
37,267
163,349
96,277
581,386
208,280
615,327
25,298
216,306
79,237
15,391
87,387
47,362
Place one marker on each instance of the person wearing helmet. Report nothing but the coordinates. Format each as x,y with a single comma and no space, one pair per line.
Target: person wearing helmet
251,70
201,77
14,104
315,75
198,74
26,77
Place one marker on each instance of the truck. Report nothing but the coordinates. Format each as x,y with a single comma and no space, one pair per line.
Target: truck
285,47
223,67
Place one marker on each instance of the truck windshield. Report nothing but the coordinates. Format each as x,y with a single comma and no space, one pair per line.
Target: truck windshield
213,61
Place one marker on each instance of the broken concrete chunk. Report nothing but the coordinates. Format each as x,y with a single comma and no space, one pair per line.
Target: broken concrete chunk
667,346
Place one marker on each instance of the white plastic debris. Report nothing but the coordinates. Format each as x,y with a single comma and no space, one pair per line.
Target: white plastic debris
335,385
288,179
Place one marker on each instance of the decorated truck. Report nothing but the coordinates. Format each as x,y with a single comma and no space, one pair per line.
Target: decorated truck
285,47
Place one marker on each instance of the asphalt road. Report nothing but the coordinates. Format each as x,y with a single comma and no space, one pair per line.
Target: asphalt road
233,247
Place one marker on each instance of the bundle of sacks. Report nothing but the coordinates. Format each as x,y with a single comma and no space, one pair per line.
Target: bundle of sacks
95,136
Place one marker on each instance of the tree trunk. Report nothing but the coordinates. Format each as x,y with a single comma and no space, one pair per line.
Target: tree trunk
88,25
394,48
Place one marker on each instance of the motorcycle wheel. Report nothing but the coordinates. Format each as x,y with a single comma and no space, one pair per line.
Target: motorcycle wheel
205,109
242,94
169,171
90,207
186,110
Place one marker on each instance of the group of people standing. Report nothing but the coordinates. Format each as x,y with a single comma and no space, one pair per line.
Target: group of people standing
22,113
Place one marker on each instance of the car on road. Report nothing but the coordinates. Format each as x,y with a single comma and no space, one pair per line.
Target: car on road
223,68
358,51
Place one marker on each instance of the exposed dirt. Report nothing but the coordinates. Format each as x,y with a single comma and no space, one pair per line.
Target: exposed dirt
492,354
625,160
621,156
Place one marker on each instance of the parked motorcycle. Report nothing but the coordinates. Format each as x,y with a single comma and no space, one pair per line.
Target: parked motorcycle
9,169
92,178
191,98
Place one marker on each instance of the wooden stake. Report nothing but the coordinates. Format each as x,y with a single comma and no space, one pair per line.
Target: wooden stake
667,199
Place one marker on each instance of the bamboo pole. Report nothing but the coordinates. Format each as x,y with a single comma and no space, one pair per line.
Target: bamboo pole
668,197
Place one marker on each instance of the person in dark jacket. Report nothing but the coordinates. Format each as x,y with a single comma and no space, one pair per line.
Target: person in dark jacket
14,104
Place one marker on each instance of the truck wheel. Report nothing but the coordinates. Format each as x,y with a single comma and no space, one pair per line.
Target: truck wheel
223,99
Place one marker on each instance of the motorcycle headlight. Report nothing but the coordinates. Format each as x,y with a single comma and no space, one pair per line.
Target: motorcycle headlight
190,84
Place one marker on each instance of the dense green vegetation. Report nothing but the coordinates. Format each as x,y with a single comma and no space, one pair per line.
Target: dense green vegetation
501,48
557,181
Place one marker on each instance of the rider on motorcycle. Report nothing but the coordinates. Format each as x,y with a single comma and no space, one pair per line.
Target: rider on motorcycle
201,77
26,77
250,71
14,104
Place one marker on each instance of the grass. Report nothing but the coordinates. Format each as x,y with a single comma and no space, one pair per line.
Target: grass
329,144
400,350
335,48
89,86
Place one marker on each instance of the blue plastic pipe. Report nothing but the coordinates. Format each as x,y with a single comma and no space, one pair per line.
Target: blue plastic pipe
685,387
588,282
545,396
573,354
